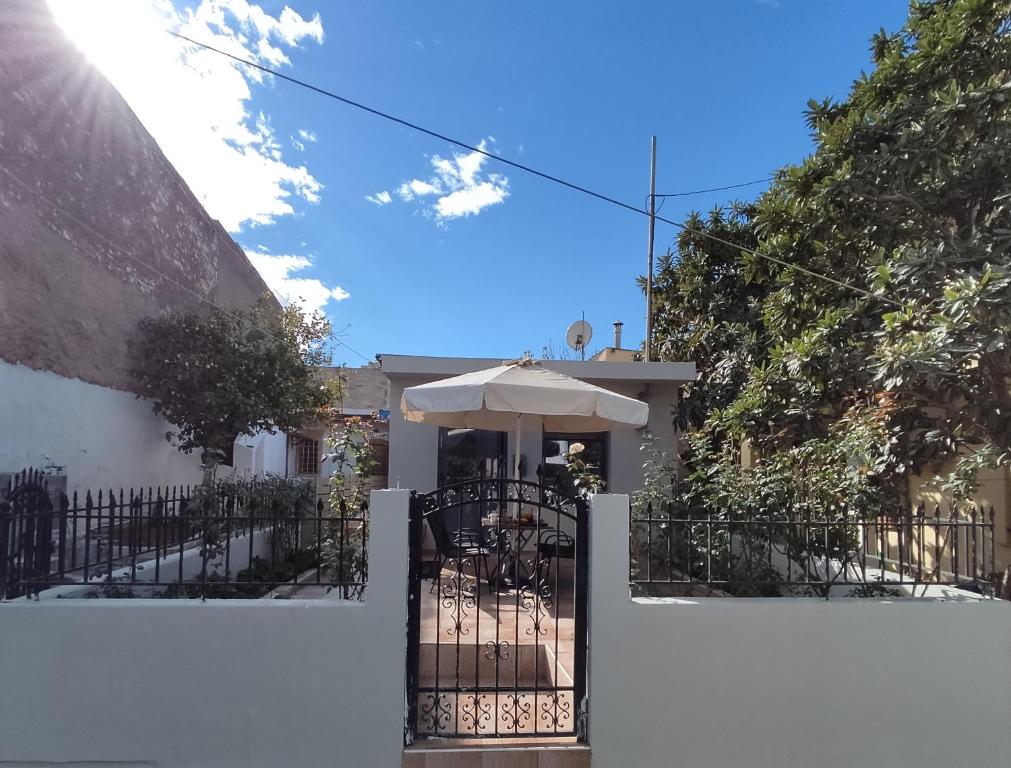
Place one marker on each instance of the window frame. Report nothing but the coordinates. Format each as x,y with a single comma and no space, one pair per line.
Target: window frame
581,437
301,456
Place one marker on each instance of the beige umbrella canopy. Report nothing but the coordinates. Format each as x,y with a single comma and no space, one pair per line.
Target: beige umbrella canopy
497,398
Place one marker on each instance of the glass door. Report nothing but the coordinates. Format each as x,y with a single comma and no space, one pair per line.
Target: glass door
466,454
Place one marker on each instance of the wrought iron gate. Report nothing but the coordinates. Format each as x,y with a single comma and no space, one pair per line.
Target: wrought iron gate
496,612
26,533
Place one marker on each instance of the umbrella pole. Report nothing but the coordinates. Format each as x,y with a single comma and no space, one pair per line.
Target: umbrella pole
516,453
516,465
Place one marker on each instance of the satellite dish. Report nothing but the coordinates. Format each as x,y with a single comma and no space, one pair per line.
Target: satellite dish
578,336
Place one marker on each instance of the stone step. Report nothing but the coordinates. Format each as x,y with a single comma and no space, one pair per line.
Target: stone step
498,755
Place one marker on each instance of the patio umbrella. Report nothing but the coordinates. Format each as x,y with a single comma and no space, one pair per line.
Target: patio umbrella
498,398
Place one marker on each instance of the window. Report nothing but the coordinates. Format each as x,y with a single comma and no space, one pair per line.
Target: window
465,454
553,470
308,457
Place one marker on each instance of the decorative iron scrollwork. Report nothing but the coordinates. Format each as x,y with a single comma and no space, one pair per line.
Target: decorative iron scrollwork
515,710
435,714
498,650
499,491
556,710
476,713
531,601
459,596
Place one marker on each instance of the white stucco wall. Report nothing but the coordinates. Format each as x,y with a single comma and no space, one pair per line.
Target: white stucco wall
185,684
259,454
414,448
103,437
626,458
708,683
784,683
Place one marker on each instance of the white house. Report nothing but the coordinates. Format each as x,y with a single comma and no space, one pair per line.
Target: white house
423,457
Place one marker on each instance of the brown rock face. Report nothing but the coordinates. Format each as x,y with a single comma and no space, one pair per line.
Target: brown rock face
97,230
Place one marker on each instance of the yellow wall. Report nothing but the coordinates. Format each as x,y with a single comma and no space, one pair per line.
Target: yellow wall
920,544
994,491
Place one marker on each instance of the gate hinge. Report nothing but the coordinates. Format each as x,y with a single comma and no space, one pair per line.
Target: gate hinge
582,719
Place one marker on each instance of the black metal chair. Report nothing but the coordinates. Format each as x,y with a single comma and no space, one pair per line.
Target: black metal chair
458,538
553,545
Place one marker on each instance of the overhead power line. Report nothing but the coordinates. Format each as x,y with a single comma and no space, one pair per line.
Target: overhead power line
525,168
348,346
663,198
56,206
717,189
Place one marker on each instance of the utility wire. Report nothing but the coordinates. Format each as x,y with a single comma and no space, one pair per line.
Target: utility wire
56,206
332,337
337,337
407,123
348,346
663,198
717,189
527,168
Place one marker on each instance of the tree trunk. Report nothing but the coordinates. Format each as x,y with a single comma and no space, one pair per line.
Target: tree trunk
209,464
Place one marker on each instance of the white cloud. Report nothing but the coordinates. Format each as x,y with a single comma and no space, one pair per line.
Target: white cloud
380,198
304,137
416,187
311,294
458,185
196,102
470,201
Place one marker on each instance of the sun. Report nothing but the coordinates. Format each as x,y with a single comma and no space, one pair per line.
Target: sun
115,35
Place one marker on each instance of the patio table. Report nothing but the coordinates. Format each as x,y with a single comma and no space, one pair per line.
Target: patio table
512,536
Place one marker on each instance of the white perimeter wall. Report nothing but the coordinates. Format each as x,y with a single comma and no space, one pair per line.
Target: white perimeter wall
185,684
783,683
104,437
720,683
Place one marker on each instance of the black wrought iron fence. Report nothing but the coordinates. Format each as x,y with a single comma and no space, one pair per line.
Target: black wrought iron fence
676,551
253,538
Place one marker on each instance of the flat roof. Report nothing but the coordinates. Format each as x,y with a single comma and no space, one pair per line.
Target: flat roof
590,370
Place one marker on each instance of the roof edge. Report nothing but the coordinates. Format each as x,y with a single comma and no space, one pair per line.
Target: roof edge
436,367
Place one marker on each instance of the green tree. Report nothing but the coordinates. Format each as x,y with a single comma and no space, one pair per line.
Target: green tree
216,375
907,197
705,310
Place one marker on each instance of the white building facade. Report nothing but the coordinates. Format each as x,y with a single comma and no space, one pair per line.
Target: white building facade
422,457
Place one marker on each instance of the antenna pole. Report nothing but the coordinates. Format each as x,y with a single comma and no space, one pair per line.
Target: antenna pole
649,269
582,346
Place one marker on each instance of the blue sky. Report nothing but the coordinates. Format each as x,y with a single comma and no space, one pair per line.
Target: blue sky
575,90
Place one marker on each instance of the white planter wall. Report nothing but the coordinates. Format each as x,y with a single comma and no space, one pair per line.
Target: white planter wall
168,568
